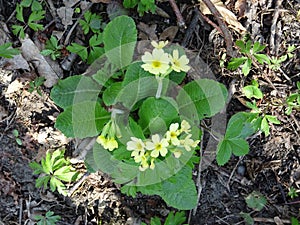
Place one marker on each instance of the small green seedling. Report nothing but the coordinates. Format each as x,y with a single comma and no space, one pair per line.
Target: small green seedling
294,221
293,101
276,61
91,52
256,201
34,17
54,168
253,92
250,53
36,84
48,219
293,193
91,22
16,135
52,48
173,219
142,5
7,52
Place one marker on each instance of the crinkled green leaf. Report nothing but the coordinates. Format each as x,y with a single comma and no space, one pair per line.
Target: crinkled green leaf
175,219
265,126
42,181
257,47
208,97
262,58
19,10
79,50
119,37
7,52
111,93
84,119
157,114
272,119
234,63
73,90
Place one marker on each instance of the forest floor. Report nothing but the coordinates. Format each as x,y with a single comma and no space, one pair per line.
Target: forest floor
271,168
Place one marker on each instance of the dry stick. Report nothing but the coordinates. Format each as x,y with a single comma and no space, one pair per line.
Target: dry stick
212,23
191,28
179,17
223,27
274,27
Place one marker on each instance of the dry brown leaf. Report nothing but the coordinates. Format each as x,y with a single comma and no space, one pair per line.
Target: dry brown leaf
65,15
31,53
169,33
227,15
149,31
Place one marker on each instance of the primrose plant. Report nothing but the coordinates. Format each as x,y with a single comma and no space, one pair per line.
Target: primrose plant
144,118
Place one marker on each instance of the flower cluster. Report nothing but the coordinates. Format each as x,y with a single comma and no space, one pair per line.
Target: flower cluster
107,138
175,140
161,63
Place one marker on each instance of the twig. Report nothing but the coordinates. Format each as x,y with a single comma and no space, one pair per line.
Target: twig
223,27
274,27
78,183
191,28
212,23
178,14
21,211
232,172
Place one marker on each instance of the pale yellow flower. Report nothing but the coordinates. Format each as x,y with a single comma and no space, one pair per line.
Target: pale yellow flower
107,143
159,45
179,64
189,143
111,144
144,163
157,62
136,145
172,134
152,165
185,127
177,153
158,146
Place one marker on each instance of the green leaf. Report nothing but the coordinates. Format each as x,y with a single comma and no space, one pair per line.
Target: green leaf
36,6
19,15
130,3
234,63
18,31
94,54
261,58
177,77
208,97
8,52
272,119
226,147
119,37
240,44
42,181
242,125
294,221
26,3
37,168
247,218
46,52
265,126
252,91
176,219
246,67
111,93
257,47
36,16
73,90
134,72
84,119
79,50
65,174
35,26
157,114
179,191
256,201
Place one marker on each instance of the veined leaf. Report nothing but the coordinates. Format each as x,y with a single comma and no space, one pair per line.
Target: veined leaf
119,37
204,97
265,126
73,90
262,58
84,119
257,47
272,119
252,91
246,67
7,52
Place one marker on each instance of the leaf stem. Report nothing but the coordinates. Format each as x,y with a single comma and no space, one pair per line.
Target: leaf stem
159,88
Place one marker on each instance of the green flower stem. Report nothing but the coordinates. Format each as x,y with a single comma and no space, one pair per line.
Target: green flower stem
159,88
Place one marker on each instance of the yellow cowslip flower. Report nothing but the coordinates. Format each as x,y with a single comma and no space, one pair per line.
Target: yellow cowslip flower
172,134
159,45
185,127
189,143
158,146
177,153
136,145
144,163
101,140
179,64
152,165
111,144
157,62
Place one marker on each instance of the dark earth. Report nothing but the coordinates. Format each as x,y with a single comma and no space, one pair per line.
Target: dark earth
271,168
